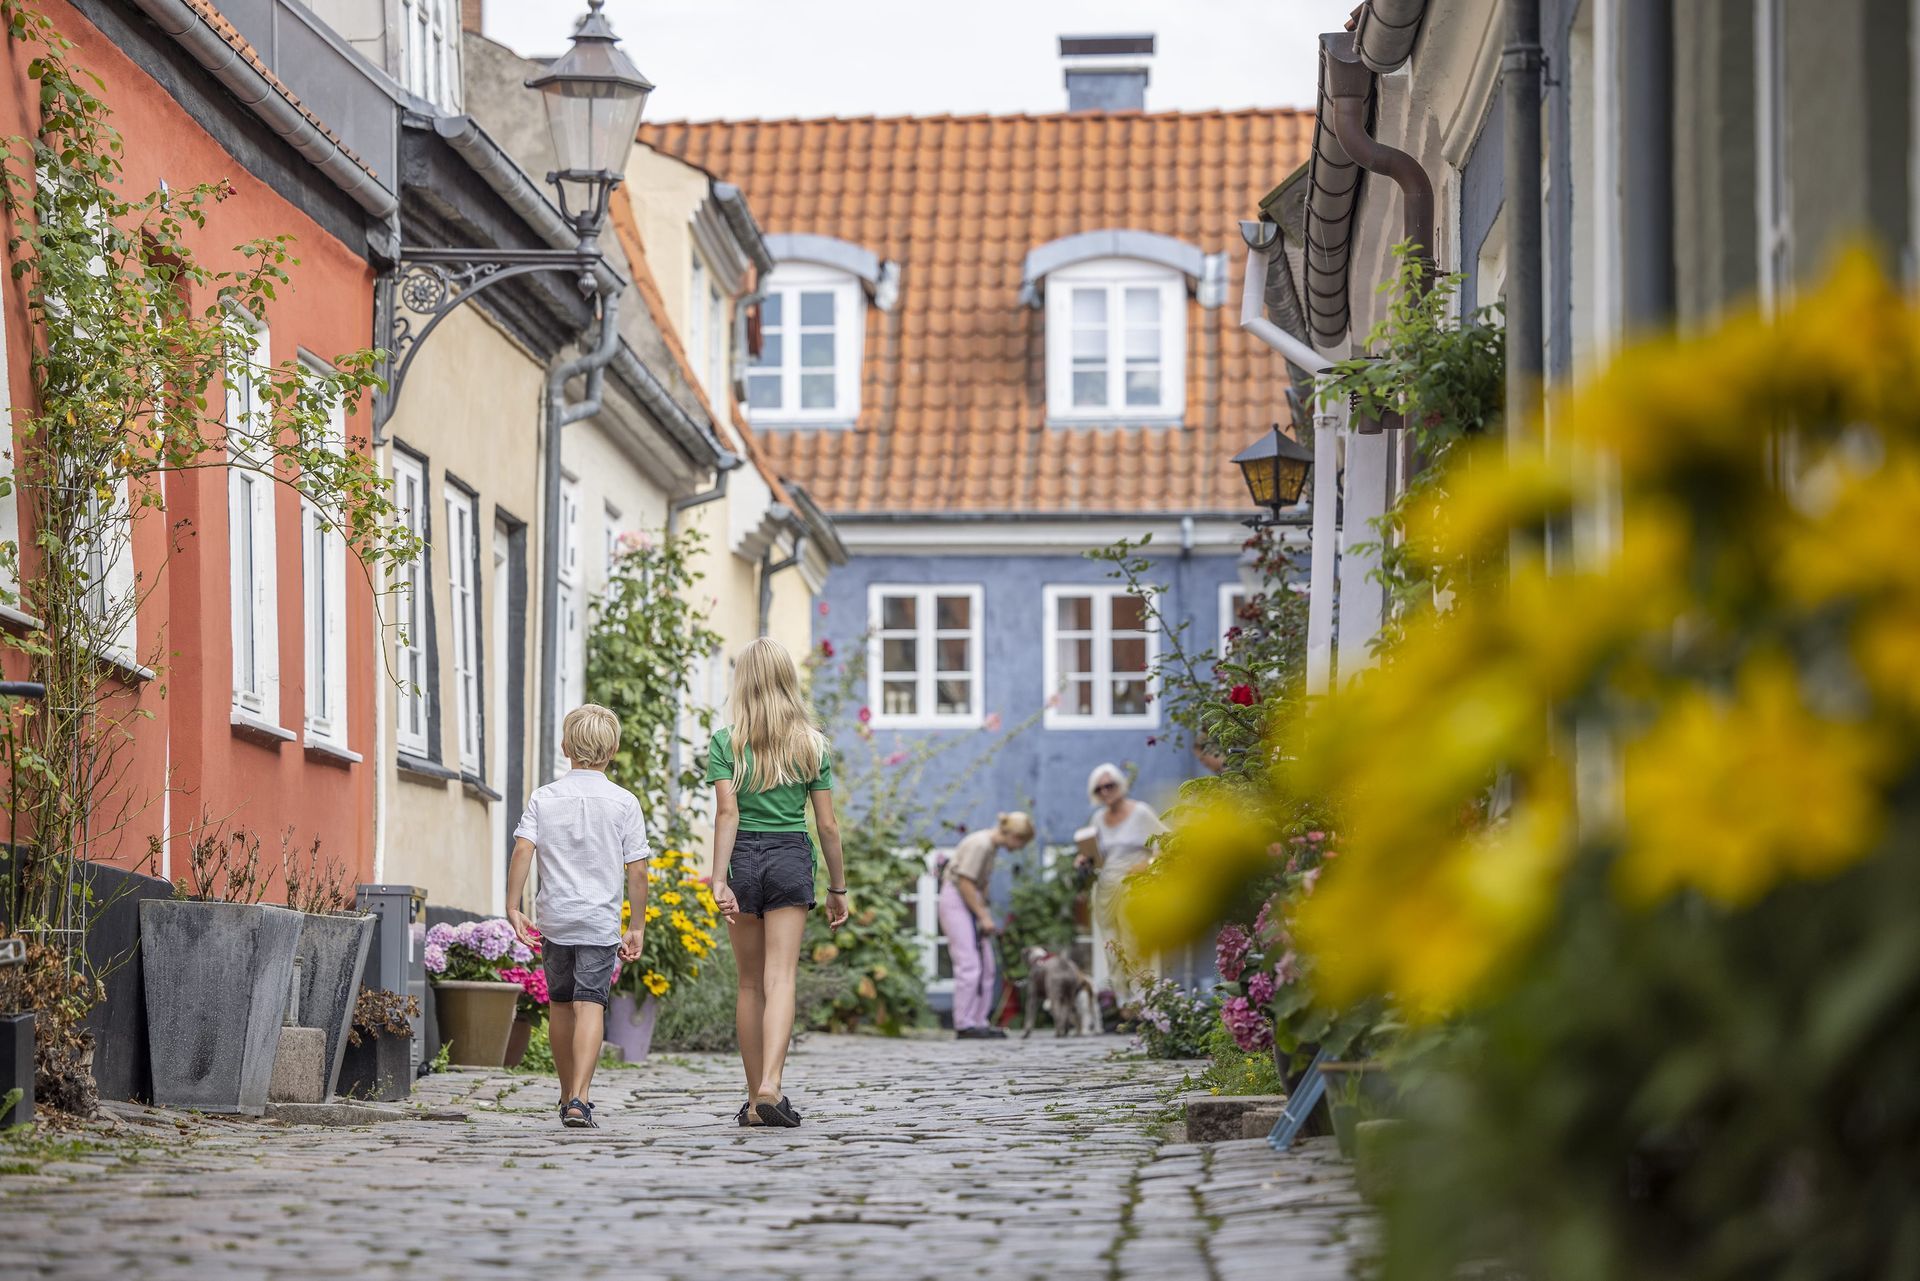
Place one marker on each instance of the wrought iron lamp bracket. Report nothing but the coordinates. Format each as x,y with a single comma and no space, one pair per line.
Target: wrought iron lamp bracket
425,286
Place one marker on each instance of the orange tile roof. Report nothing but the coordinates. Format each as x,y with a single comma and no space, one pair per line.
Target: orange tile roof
953,397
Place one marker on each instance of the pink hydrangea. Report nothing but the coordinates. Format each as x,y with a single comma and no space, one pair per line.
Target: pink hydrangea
1230,952
1260,988
532,981
436,957
1251,1031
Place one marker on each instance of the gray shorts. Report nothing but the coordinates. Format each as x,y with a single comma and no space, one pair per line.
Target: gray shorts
580,971
770,870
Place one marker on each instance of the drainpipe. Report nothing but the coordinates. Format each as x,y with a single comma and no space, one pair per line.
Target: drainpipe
559,415
1263,239
1522,65
769,567
722,468
1349,91
1646,162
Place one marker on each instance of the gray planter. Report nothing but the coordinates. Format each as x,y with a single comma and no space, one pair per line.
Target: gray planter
217,979
333,952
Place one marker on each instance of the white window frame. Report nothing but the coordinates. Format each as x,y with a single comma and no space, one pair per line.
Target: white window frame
1116,276
570,661
719,343
1232,596
1773,190
1056,715
787,282
927,636
697,341
463,607
415,693
254,595
430,51
323,568
570,531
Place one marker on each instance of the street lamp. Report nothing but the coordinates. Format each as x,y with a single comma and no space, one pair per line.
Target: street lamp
1275,468
593,96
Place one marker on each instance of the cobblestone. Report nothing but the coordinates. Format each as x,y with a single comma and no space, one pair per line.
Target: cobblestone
918,1158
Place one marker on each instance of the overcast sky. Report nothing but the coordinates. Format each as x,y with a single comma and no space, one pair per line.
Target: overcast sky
713,58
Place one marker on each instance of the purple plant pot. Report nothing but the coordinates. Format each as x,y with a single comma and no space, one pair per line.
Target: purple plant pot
630,1025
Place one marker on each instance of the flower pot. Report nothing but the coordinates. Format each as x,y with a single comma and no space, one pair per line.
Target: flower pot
1345,1117
333,952
476,1020
1376,1156
630,1024
517,1040
17,1066
218,978
380,1067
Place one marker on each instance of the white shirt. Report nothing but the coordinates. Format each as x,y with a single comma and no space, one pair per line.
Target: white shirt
586,829
1123,845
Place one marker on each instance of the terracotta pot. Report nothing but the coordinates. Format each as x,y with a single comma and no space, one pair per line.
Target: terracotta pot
517,1040
476,1020
630,1024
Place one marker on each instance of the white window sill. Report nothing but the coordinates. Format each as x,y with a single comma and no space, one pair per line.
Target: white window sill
1144,418
925,722
839,422
247,725
124,665
19,619
421,769
1051,721
330,752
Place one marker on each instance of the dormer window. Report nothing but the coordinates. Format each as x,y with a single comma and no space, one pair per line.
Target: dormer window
1116,342
812,325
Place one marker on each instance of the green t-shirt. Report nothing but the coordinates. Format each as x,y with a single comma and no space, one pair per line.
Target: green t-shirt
777,809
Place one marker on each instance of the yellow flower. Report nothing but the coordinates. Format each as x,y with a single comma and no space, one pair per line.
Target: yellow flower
655,983
680,921
670,898
653,913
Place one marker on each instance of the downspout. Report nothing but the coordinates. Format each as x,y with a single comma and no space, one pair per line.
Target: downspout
1263,239
560,415
1646,158
723,467
1522,63
769,567
1349,89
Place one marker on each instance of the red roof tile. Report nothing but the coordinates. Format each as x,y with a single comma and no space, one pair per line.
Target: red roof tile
953,400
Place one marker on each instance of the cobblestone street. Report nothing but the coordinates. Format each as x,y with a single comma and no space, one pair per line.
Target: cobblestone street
918,1158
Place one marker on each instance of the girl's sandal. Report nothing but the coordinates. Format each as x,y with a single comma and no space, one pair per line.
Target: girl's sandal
747,1116
779,1114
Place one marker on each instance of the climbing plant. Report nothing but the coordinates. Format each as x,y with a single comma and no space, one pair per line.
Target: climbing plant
647,635
137,351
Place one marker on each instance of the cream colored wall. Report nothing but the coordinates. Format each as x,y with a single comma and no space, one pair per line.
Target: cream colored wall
790,618
471,405
666,194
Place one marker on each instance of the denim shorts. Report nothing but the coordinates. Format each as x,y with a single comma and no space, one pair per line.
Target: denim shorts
580,971
770,870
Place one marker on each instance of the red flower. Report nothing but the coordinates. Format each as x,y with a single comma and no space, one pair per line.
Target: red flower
1242,694
823,609
866,714
826,649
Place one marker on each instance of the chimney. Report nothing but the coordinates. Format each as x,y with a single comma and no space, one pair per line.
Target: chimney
473,15
1106,73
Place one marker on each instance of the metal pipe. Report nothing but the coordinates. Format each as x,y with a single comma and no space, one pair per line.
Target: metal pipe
768,568
1522,64
560,415
1646,163
1349,91
1253,317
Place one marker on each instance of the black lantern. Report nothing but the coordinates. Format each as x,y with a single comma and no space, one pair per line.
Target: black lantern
1275,468
593,95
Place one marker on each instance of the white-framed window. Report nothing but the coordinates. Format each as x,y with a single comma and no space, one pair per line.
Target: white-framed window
570,530
1775,192
923,661
1232,597
1100,648
570,662
430,50
1116,342
250,513
697,318
719,344
323,566
463,603
410,585
812,328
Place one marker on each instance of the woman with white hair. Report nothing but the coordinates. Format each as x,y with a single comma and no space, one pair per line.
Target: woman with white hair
1122,827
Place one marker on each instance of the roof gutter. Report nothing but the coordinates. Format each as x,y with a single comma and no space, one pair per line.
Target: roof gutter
1384,32
733,206
695,440
267,101
1347,87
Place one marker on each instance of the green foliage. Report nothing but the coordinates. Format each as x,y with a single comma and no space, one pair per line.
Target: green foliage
700,1015
1174,1023
1444,375
646,636
1041,911
539,1055
1233,1070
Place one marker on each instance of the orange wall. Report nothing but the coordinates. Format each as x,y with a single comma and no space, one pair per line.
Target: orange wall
184,630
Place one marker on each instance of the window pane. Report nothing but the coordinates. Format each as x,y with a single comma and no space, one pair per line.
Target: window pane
1143,346
899,654
816,309
769,357
899,698
1074,657
1143,386
1089,347
763,391
953,613
1074,614
816,391
816,350
1089,306
898,613
1129,698
1077,698
951,696
1129,613
1130,655
953,655
1143,307
1090,388
769,312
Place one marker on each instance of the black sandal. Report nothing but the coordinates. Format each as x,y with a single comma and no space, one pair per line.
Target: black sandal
779,1114
578,1115
741,1117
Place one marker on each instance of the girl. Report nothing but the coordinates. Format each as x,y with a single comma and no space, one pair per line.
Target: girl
765,767
968,922
1122,827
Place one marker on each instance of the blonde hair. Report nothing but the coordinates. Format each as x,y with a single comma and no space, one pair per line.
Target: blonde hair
772,721
1015,825
590,735
1101,773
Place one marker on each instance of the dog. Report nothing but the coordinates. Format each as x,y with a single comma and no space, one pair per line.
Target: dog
1058,982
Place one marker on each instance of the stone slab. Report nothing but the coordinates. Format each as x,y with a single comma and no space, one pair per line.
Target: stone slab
1212,1118
300,1067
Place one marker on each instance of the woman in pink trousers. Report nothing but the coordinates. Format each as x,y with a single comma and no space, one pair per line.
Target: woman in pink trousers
968,922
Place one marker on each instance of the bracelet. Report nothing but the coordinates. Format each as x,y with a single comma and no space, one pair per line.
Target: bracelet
831,890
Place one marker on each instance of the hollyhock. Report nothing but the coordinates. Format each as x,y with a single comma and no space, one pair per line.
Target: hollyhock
826,648
1287,968
1260,988
992,723
894,758
864,715
1230,952
823,609
1241,694
1250,1029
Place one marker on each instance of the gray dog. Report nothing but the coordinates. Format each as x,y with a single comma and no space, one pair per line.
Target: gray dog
1059,982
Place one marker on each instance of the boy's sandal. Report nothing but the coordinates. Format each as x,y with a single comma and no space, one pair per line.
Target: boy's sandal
779,1114
578,1115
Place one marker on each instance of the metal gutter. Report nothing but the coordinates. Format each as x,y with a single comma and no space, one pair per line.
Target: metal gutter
270,102
510,182
1347,88
1385,32
733,206
819,524
1026,517
1253,316
1334,184
696,441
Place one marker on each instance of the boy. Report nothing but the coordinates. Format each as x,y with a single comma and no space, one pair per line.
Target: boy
585,828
